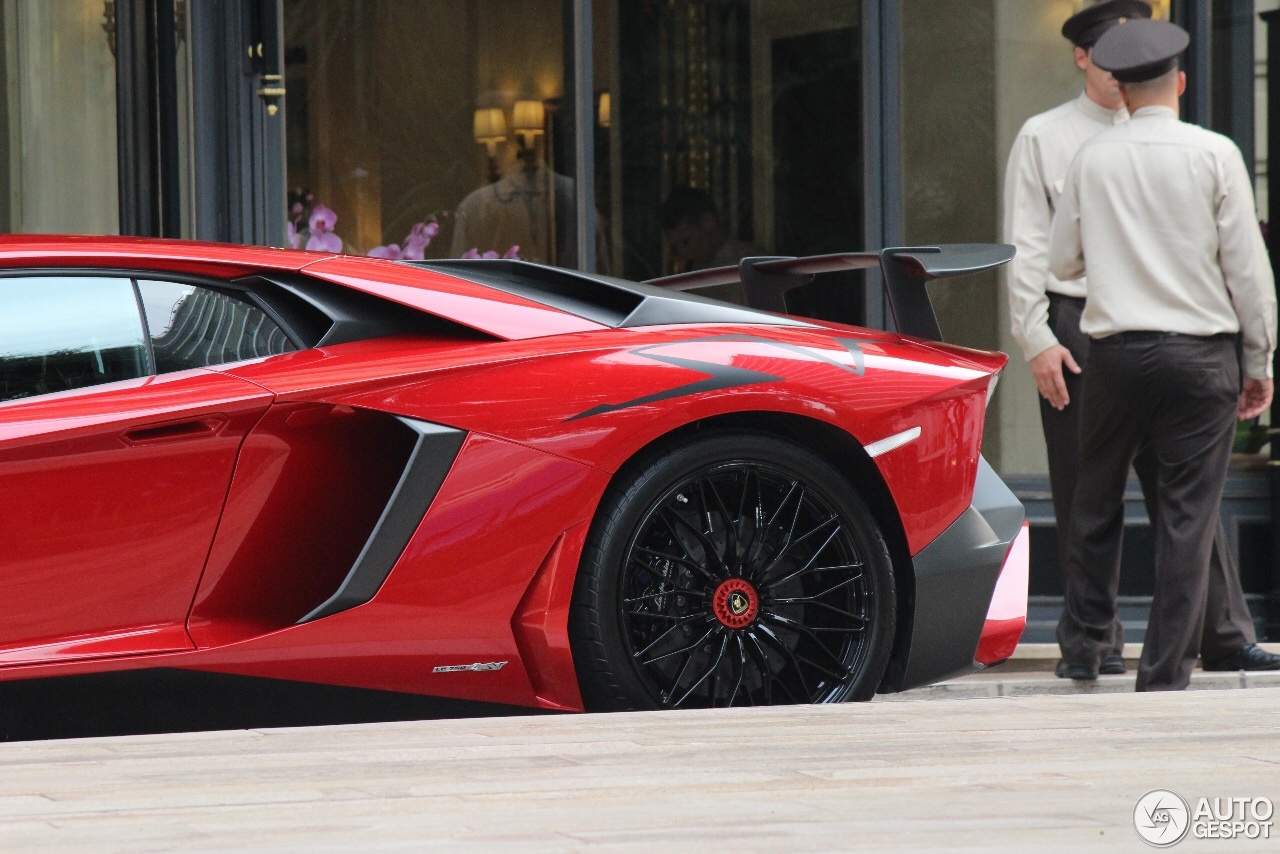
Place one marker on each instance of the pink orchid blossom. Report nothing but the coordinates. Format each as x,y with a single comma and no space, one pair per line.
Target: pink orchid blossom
391,252
322,219
324,241
419,239
291,235
474,253
322,237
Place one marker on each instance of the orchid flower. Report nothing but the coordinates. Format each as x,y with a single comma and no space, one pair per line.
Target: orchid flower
474,253
322,237
322,219
325,241
291,235
391,252
419,239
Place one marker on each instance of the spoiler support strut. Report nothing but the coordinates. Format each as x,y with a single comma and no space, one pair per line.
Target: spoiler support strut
906,270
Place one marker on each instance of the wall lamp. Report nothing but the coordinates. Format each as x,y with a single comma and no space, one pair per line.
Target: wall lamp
528,121
489,127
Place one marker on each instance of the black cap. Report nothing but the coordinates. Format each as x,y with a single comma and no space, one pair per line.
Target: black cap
1141,50
1084,28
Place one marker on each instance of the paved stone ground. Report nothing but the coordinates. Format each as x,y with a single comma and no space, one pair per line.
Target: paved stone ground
1045,773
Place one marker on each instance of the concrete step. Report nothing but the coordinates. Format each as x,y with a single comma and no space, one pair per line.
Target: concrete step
1030,672
1035,657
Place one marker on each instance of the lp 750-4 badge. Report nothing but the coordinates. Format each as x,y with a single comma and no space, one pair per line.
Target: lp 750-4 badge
478,667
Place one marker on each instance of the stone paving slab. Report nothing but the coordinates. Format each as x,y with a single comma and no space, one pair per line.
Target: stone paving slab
1051,773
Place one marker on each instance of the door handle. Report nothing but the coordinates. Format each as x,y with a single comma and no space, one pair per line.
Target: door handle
173,430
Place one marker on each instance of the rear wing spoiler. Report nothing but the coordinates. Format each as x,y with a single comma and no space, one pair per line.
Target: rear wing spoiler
906,269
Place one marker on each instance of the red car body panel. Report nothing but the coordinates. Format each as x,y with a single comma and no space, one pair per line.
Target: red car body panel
139,253
212,509
111,496
518,391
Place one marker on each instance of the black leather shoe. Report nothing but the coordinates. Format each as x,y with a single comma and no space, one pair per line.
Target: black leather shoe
1075,671
1113,665
1251,657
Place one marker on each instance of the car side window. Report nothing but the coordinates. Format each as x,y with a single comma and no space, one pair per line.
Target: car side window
194,327
59,333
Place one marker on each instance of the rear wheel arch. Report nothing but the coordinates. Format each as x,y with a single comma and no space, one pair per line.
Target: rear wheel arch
843,453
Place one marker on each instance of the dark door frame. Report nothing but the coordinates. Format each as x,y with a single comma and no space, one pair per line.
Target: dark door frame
882,132
882,142
147,118
237,132
238,104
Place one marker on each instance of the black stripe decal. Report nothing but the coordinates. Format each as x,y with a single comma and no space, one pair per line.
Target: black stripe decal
722,376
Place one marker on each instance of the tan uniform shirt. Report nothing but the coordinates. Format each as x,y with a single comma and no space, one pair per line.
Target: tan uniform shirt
1162,214
1037,169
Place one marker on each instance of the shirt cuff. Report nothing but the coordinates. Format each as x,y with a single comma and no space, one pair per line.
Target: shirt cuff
1036,341
1257,366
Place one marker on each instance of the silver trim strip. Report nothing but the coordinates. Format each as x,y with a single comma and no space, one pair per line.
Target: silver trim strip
897,440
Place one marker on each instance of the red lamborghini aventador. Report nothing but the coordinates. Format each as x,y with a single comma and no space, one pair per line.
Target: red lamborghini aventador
493,480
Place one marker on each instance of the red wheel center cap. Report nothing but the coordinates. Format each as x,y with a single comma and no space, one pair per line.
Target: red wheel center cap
735,603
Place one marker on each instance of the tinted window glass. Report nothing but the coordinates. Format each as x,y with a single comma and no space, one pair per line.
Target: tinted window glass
64,333
192,327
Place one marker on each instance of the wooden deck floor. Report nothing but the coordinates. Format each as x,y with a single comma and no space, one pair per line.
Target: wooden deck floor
1052,773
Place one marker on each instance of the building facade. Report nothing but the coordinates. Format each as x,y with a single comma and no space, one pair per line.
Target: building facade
558,130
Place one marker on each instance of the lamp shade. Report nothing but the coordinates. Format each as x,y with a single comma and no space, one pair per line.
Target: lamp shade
489,125
605,112
528,117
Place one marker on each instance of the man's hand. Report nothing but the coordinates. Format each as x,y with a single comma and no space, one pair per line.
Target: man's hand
1047,369
1255,399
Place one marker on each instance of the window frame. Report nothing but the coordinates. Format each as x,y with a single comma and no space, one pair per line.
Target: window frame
238,290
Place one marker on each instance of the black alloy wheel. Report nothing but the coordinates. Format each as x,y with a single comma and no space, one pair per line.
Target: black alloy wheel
737,570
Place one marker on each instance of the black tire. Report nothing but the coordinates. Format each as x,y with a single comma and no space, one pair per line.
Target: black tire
791,603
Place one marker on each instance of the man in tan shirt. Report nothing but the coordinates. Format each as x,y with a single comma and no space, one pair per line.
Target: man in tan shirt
1161,215
1045,317
1044,310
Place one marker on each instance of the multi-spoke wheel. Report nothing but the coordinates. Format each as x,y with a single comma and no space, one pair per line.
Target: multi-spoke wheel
735,570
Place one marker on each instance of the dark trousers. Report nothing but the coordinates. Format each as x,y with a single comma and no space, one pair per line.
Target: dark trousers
1175,397
1228,624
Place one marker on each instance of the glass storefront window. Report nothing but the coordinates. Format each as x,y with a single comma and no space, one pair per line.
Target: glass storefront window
59,115
429,129
728,128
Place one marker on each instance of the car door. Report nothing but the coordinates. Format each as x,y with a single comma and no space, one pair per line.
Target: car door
117,446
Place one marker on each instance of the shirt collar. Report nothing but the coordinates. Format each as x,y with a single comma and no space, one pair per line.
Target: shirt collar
1099,113
1156,112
